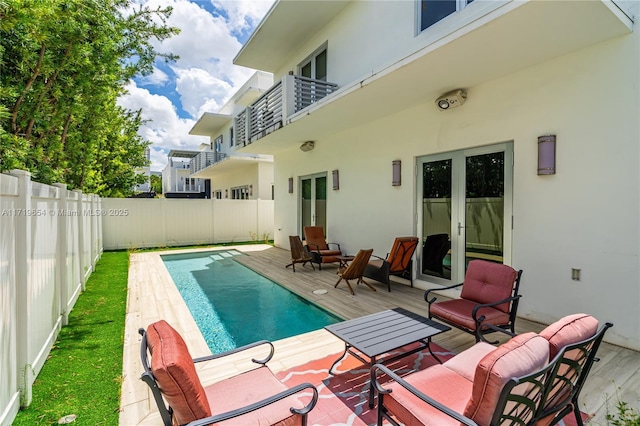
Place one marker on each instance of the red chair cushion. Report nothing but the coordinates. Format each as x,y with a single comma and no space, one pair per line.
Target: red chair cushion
520,356
175,373
248,388
458,311
487,282
569,330
439,383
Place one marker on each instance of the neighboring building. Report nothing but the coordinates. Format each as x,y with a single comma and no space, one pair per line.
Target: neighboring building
146,187
234,175
356,85
177,181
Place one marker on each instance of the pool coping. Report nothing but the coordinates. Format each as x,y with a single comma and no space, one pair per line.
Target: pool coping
152,296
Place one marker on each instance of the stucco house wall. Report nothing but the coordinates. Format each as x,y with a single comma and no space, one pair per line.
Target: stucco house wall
586,216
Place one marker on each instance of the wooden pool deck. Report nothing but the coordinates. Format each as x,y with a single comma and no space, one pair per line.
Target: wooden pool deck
152,296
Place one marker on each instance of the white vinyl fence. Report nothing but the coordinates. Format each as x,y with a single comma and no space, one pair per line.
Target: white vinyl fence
131,223
50,241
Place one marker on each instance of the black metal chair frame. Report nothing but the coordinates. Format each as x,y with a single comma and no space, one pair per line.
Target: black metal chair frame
166,413
551,391
482,329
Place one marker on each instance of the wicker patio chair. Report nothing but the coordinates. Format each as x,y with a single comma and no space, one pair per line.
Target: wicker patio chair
355,270
298,253
320,251
397,262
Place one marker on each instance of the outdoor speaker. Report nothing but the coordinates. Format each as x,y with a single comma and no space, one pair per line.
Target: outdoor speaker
307,146
452,99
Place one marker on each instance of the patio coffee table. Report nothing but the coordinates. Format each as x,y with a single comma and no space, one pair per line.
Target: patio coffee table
376,334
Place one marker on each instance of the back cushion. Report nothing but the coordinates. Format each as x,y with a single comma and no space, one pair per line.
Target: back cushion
487,282
569,330
520,356
173,368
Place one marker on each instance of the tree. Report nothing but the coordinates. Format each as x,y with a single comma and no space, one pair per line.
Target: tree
63,65
156,184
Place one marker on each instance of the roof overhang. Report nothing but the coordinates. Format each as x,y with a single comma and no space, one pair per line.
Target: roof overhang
288,25
210,124
513,37
231,163
179,153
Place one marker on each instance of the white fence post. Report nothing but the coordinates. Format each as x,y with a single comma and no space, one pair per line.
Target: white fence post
63,235
80,210
26,375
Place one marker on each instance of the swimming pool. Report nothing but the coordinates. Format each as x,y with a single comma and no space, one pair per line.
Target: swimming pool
233,305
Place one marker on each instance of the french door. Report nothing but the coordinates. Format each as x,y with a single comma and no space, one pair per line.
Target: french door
465,210
313,201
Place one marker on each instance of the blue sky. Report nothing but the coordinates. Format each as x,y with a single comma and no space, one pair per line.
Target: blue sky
202,80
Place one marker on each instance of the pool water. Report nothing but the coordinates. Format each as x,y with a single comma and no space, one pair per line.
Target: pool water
233,305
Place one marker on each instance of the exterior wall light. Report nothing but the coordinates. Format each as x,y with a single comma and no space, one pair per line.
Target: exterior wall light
397,173
547,155
336,179
290,185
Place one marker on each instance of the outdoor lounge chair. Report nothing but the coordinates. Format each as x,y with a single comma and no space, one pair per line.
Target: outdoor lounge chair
355,269
533,379
434,250
252,397
298,253
318,247
397,262
488,301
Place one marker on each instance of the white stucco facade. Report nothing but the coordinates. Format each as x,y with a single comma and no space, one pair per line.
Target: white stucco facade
584,91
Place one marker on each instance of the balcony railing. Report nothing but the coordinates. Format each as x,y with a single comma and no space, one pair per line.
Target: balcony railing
205,159
269,113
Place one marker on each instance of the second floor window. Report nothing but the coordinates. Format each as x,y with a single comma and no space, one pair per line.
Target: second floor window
218,144
432,11
315,66
231,136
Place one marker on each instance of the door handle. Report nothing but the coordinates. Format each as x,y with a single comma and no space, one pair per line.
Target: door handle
460,228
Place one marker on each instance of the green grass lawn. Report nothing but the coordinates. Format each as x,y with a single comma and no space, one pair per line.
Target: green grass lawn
83,373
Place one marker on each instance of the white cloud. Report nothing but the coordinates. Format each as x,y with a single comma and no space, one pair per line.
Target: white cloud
205,77
197,87
164,129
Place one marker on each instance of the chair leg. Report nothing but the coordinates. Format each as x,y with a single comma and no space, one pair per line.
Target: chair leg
360,280
346,281
292,264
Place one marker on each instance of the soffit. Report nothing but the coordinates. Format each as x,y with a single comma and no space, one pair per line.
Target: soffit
285,29
209,124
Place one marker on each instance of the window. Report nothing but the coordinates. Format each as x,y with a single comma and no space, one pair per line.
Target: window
432,11
240,192
231,136
315,66
218,144
217,194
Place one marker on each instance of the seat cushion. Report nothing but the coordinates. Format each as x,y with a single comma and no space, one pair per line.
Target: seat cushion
248,388
458,311
465,362
520,356
175,373
487,282
569,330
329,256
439,383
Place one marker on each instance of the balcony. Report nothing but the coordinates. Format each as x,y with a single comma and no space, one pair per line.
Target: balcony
205,159
511,35
274,108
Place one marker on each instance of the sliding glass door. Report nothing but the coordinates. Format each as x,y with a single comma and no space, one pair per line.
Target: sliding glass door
465,210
